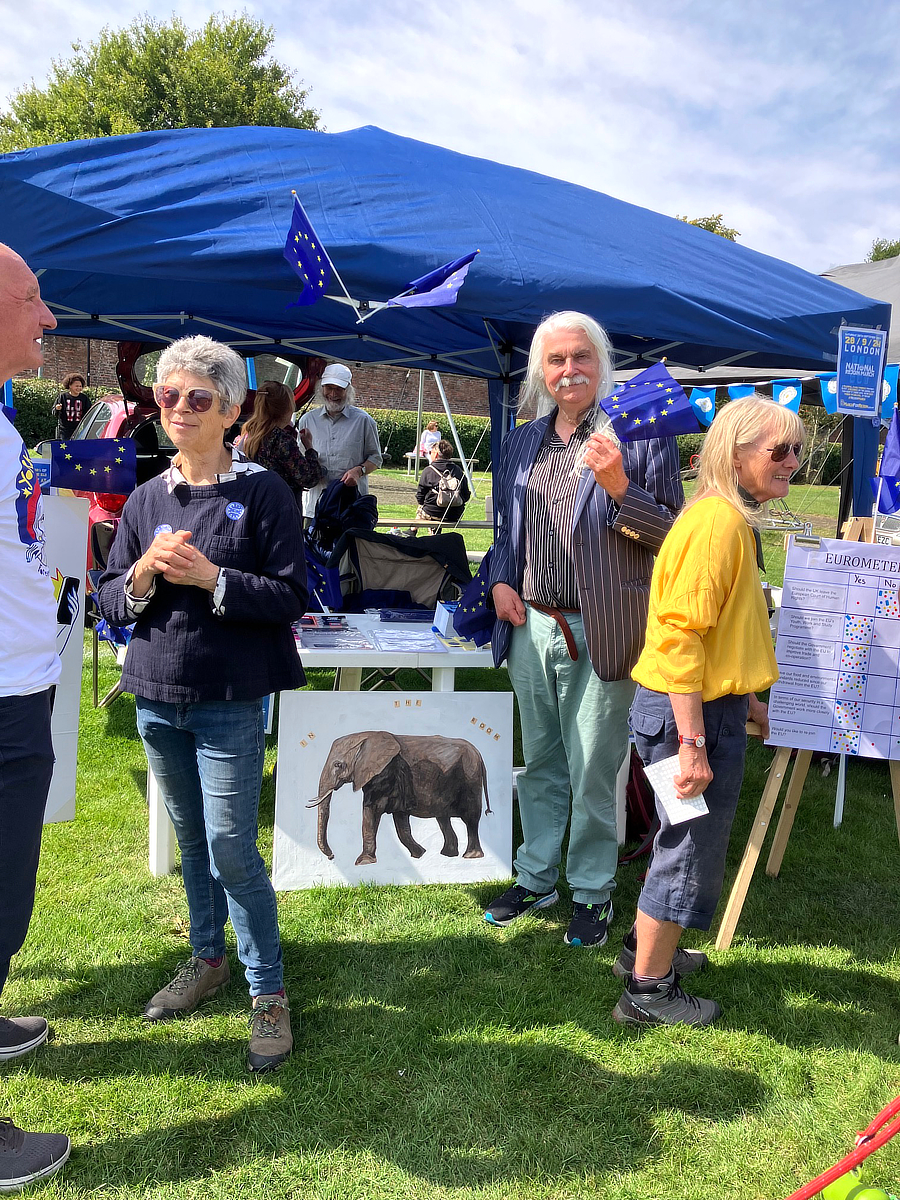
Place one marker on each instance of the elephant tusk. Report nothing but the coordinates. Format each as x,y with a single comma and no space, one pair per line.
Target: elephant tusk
316,801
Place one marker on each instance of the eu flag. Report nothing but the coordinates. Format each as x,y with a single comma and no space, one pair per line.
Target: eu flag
439,286
304,252
94,465
887,485
475,617
650,405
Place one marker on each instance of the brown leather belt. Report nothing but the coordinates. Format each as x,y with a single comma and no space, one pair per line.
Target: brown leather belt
558,615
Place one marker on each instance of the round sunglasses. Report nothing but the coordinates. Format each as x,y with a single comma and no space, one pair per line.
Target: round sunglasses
780,452
199,399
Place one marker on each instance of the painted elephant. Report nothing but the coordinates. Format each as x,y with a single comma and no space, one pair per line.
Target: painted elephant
406,776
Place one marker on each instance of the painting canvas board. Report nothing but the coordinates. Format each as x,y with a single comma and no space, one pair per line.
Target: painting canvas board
411,751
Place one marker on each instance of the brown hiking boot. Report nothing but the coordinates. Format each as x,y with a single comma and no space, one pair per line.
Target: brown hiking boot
194,980
271,1040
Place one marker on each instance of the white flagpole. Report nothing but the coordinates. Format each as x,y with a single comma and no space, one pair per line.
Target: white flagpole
334,269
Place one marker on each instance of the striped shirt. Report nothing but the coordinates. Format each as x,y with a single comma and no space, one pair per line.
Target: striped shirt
549,577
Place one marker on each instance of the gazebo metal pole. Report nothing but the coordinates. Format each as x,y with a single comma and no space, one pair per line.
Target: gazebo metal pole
453,430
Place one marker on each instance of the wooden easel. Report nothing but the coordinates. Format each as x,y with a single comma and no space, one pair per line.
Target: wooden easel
856,529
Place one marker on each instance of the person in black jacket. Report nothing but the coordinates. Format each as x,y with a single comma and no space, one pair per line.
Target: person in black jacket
443,490
208,562
69,406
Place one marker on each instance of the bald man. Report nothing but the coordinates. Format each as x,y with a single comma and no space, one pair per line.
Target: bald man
29,669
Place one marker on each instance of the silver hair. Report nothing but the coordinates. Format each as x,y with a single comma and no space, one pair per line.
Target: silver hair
349,393
202,356
533,394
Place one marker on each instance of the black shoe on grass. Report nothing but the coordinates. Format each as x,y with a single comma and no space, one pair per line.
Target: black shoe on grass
18,1035
590,924
663,1002
28,1157
516,902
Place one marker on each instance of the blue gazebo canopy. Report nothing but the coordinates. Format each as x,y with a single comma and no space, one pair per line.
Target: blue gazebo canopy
157,235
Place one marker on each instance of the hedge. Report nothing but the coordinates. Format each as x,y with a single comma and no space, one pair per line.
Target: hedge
397,434
33,400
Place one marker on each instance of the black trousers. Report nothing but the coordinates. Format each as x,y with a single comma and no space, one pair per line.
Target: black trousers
26,767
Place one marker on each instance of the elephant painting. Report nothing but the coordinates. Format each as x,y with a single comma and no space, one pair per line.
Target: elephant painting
406,776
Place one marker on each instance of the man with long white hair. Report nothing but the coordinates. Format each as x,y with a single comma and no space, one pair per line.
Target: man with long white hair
579,520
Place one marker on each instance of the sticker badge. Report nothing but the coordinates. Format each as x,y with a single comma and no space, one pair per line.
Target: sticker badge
234,511
162,529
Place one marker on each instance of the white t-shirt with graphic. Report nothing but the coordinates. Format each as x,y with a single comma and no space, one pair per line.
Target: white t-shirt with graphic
28,659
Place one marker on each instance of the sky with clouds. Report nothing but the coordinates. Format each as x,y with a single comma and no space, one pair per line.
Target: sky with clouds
782,116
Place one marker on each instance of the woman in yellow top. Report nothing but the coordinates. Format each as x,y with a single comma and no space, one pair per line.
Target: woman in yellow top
708,649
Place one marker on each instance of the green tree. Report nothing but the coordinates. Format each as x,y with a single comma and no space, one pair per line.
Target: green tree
714,224
883,248
160,75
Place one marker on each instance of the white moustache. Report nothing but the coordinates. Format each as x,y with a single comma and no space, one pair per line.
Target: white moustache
571,381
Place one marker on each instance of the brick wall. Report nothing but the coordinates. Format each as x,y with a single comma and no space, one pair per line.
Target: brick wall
376,387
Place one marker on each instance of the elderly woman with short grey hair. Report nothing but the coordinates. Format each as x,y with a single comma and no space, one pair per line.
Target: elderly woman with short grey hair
208,563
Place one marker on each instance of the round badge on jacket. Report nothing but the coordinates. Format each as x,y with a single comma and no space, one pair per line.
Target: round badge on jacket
234,511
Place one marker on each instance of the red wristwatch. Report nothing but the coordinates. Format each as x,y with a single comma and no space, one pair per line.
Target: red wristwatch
699,741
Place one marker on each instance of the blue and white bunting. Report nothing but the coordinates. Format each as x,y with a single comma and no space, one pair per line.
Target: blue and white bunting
737,391
787,393
703,402
828,386
889,391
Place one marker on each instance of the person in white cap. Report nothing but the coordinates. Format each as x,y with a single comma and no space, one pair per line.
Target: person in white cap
345,437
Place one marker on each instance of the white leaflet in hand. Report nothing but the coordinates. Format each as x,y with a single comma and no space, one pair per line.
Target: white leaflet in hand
662,779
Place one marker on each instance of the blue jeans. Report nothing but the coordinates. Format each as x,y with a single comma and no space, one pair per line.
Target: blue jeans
574,736
208,762
684,880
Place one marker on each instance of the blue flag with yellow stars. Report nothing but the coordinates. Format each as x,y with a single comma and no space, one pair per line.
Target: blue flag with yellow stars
94,465
304,252
437,287
650,405
475,617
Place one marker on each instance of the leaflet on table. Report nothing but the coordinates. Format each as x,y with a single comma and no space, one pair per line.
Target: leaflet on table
838,650
332,639
404,640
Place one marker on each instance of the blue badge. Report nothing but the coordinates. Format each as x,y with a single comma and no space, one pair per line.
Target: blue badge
234,511
162,529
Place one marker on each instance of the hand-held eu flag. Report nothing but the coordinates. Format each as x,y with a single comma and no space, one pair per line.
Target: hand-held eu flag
94,465
437,287
650,405
886,485
475,617
307,257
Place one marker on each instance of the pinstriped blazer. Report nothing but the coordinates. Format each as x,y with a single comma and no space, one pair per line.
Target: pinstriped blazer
613,547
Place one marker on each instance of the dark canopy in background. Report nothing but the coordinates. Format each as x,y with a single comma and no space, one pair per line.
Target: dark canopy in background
159,235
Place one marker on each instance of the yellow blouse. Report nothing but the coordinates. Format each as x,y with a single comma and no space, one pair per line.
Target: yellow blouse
708,627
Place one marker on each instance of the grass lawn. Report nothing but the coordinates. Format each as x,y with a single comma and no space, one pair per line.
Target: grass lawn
439,1057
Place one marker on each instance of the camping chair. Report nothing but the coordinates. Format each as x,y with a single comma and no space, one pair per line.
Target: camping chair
379,570
339,508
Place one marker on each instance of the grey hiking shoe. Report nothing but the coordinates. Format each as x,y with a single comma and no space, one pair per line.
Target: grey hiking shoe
271,1040
516,902
18,1035
684,962
664,1003
194,980
27,1157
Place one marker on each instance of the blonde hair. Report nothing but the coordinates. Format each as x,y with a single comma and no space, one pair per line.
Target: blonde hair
738,426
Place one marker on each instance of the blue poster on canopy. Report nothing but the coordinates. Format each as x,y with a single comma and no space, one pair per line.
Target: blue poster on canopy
860,366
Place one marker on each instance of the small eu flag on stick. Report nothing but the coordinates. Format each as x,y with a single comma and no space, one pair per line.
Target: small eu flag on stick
94,465
307,257
651,405
886,484
437,287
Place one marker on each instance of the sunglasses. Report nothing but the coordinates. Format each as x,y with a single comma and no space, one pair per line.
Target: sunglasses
780,452
199,399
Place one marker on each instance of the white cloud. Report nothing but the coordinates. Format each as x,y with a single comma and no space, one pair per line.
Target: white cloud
781,117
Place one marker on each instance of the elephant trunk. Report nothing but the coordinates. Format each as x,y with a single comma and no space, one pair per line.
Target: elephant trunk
322,825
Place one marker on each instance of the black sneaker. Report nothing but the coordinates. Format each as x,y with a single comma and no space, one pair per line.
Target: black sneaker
590,924
516,902
663,1002
28,1157
684,962
18,1035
